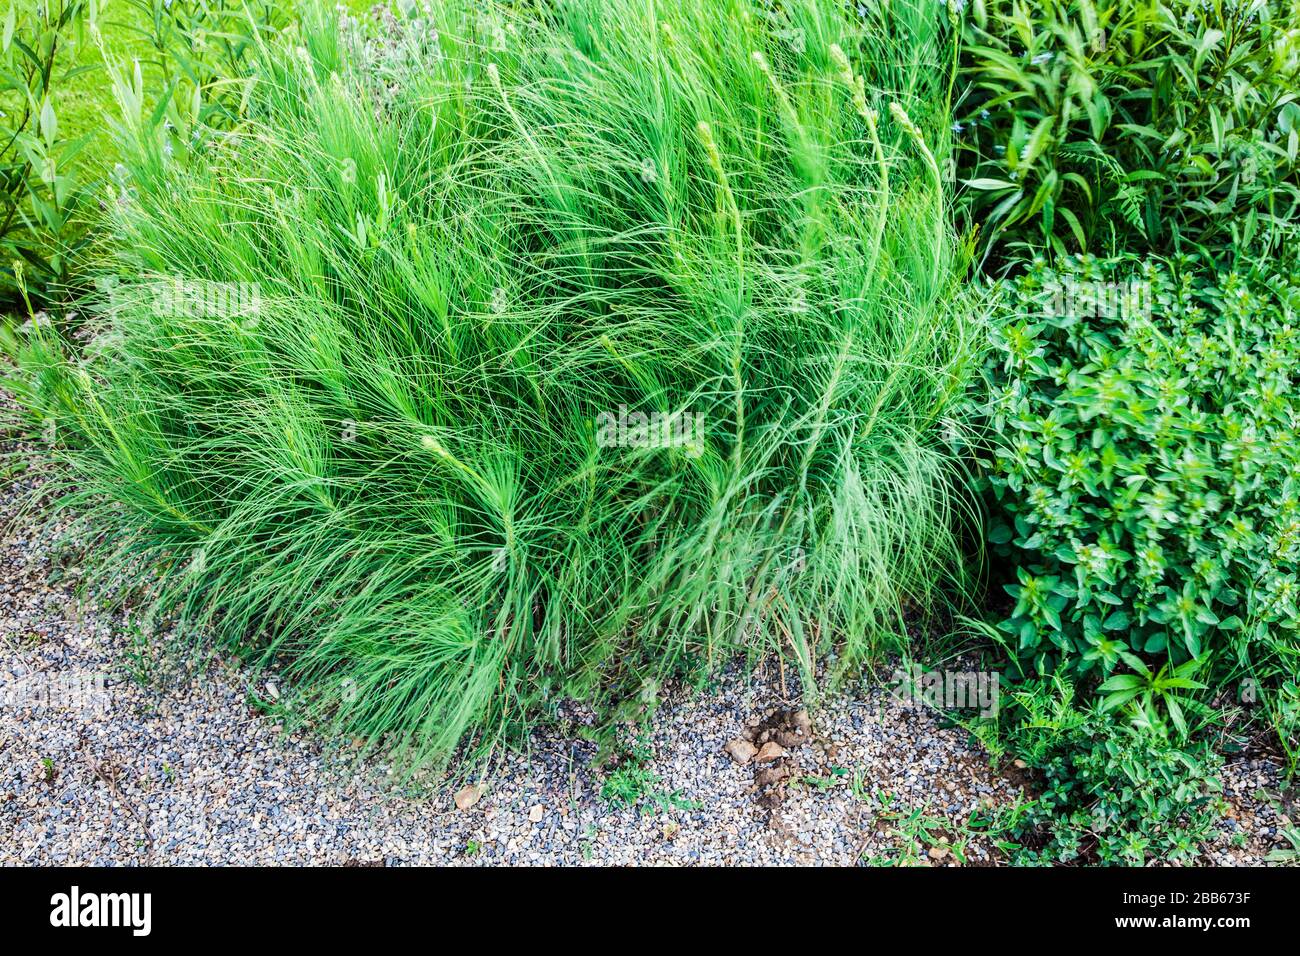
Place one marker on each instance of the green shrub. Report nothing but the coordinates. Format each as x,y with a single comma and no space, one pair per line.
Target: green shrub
374,370
52,97
41,194
1117,126
1146,476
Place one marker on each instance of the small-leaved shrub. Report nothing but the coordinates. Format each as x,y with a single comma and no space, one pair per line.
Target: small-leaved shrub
1145,476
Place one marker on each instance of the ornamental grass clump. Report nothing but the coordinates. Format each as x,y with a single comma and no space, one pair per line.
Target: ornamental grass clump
376,369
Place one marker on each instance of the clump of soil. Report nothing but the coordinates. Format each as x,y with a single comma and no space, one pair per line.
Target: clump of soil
769,746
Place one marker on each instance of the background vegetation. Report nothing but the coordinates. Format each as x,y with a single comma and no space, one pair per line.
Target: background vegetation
362,292
1128,126
57,106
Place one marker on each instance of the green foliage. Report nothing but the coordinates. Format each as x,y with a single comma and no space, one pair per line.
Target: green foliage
206,45
1115,793
1114,126
1145,477
914,831
1284,715
628,785
51,121
40,193
633,784
1142,458
1119,795
360,356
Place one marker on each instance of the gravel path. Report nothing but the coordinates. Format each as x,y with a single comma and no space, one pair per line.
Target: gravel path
177,768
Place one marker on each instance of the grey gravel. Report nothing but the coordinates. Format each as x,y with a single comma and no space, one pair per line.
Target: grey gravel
178,768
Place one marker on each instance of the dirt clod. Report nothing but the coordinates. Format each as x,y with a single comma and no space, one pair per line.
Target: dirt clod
770,751
740,750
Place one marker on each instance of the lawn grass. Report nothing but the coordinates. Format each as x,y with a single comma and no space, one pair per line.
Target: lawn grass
366,382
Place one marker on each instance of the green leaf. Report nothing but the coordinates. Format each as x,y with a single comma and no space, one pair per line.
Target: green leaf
1118,699
1176,714
1122,682
1075,226
1117,621
989,184
1288,117
49,124
1154,644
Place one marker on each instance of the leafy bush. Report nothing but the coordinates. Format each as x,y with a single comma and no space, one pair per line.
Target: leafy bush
376,371
1115,126
50,113
1146,475
1110,793
41,194
208,45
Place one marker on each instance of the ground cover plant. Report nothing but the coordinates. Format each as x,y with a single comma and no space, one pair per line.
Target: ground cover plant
1107,791
582,345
